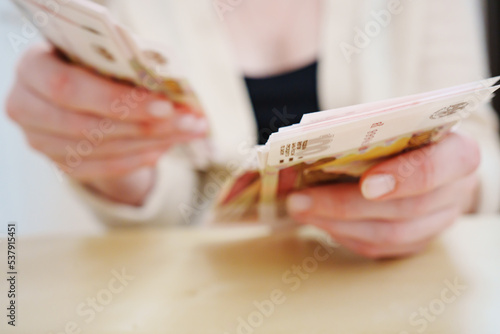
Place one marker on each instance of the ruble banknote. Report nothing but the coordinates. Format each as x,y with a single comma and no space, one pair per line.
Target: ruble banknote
339,145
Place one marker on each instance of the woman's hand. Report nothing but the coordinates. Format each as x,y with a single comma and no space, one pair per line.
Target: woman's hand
105,134
400,204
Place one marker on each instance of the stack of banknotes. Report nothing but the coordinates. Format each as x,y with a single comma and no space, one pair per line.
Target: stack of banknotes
329,146
85,33
339,145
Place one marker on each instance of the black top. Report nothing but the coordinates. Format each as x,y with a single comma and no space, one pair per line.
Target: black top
282,99
493,20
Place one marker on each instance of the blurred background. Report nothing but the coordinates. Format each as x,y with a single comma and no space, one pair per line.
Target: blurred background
32,192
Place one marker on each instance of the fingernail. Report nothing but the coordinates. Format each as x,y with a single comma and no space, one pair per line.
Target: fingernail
161,109
378,185
299,203
192,124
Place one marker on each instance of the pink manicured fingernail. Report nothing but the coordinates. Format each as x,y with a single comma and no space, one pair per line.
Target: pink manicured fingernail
299,203
161,109
192,124
378,185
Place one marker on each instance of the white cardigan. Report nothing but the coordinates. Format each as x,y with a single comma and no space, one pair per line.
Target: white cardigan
428,44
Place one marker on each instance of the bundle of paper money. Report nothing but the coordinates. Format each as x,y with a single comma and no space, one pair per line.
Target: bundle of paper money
85,33
339,145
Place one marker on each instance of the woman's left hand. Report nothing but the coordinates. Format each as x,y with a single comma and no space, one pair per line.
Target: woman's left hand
399,205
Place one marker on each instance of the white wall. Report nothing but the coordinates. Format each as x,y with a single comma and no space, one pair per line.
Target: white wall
31,193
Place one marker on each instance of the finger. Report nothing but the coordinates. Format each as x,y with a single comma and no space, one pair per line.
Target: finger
115,189
422,170
32,112
379,252
76,88
62,149
86,171
383,233
345,202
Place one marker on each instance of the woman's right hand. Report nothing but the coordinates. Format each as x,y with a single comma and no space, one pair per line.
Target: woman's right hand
105,134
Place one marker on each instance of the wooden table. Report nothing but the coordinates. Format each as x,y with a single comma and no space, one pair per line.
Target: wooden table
245,280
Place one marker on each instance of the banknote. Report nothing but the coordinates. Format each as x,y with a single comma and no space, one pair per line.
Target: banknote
86,34
339,145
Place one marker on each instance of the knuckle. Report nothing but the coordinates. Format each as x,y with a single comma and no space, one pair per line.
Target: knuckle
30,60
26,60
